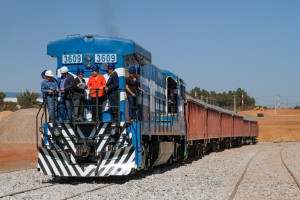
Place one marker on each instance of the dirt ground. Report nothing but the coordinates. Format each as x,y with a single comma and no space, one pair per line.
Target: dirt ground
17,156
282,126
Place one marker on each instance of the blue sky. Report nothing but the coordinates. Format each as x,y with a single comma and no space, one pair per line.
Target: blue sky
216,45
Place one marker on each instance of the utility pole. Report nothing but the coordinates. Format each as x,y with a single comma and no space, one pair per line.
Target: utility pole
242,101
275,107
234,103
196,95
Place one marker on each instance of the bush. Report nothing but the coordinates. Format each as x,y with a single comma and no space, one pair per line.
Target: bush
12,106
2,97
28,99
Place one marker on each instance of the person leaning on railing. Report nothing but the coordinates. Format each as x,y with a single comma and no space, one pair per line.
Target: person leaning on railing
49,88
96,83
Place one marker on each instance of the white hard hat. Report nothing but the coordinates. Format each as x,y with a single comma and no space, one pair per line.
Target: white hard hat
64,69
49,73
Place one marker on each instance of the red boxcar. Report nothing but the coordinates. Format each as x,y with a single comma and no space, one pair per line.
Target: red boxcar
195,120
253,128
226,125
246,128
213,123
238,126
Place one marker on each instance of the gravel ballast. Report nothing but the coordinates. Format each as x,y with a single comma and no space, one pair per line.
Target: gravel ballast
212,177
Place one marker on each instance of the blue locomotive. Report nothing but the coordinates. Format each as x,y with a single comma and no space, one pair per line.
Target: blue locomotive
107,147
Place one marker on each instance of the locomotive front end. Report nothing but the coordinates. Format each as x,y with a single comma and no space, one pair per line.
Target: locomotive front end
91,147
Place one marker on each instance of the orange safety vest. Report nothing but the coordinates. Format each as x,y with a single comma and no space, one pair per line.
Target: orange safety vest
94,84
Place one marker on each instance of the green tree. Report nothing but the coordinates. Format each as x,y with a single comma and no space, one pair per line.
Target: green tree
2,97
195,92
225,99
27,99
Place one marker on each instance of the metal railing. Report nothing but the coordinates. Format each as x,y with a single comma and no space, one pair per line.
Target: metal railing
58,110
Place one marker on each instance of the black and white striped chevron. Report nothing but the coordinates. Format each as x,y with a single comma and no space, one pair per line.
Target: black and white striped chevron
53,159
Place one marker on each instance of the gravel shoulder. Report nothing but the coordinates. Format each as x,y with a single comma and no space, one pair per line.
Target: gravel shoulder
212,177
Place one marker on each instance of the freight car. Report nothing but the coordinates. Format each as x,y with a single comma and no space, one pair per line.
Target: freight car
163,132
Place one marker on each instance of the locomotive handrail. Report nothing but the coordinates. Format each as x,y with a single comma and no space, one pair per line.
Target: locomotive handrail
37,122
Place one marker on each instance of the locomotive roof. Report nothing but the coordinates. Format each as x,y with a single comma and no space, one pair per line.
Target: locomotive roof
92,43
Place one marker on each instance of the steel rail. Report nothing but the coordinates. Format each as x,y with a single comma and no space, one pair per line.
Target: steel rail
288,169
24,191
87,191
242,176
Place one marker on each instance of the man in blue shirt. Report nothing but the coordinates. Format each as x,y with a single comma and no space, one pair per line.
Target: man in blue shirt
49,88
66,87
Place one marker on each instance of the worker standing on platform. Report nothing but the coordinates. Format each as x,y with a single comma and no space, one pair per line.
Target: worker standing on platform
66,86
96,84
112,90
49,88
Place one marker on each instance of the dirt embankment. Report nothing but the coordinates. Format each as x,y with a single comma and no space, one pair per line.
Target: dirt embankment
282,125
17,140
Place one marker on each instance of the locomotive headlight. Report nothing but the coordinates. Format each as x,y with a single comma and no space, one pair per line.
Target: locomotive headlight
56,132
88,58
61,141
114,131
88,65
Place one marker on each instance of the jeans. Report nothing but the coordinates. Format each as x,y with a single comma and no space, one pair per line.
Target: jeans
65,108
50,100
132,106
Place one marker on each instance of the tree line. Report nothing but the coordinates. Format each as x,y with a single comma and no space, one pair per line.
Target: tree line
26,99
225,99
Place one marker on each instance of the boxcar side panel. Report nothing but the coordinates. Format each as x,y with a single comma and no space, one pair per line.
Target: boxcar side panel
238,126
195,120
213,124
253,129
226,125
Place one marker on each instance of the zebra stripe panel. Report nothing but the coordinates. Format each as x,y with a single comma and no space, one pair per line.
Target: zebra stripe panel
115,163
54,159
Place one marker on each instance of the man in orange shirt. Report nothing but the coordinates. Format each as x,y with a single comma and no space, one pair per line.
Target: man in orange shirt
96,84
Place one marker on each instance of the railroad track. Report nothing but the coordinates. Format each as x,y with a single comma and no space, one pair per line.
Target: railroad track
247,166
288,169
112,182
242,176
24,191
87,191
33,189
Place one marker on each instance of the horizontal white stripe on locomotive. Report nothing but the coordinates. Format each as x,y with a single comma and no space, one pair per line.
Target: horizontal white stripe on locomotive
159,107
153,86
120,72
